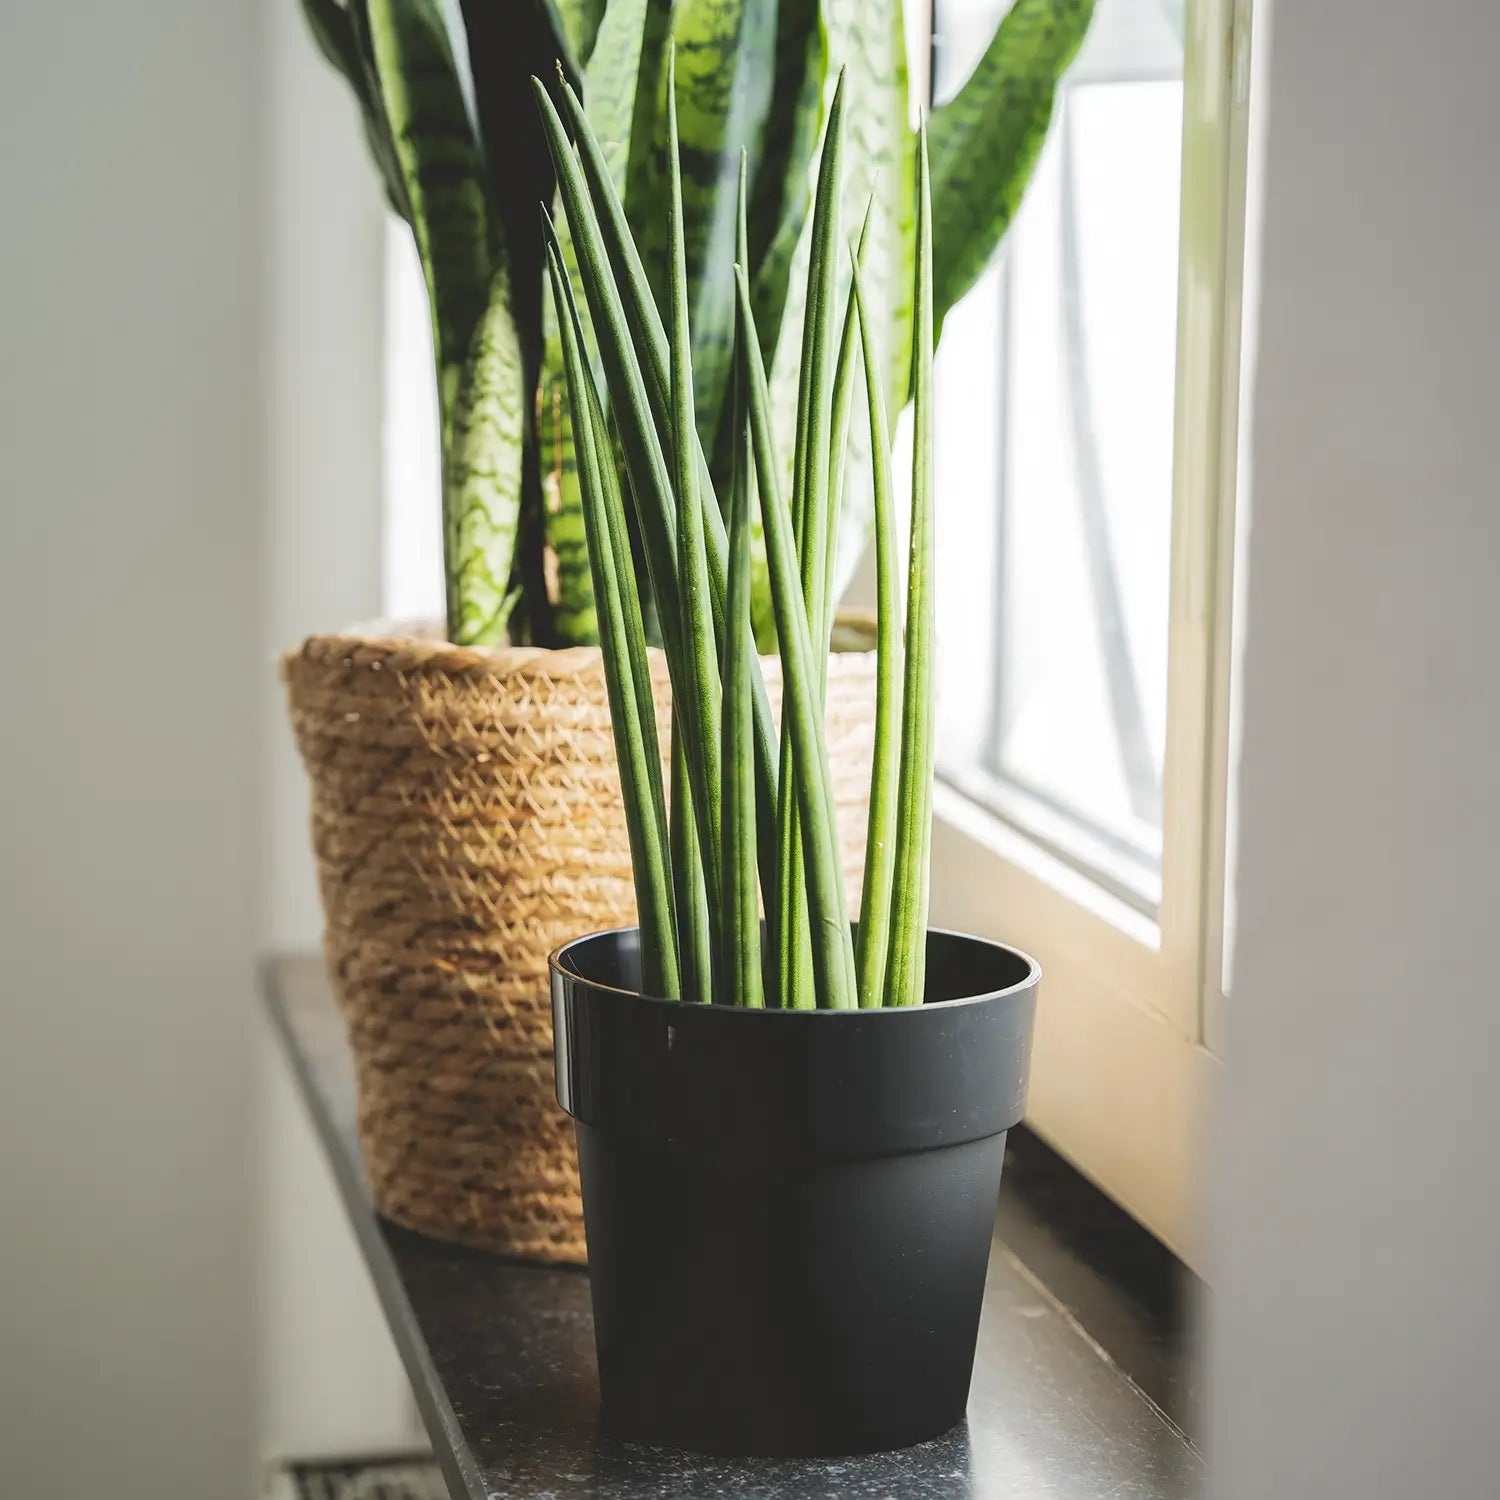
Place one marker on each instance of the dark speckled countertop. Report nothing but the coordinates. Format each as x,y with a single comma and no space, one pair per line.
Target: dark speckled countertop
1080,1390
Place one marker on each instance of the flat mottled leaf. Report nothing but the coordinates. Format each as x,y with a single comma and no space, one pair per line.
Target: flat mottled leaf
866,39
343,39
577,23
482,482
442,171
783,181
334,33
644,194
985,141
725,57
462,254
507,42
629,40
575,619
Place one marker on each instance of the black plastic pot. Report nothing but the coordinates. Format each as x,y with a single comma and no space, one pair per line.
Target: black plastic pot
789,1213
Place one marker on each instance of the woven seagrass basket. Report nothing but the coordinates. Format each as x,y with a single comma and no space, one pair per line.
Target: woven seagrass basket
466,820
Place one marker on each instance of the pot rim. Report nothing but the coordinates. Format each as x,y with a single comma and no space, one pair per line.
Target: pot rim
556,965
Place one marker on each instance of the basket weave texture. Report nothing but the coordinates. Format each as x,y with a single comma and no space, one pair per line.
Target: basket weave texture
466,820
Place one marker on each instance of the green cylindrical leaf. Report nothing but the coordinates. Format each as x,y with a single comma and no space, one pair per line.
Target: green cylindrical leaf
908,961
872,949
833,953
614,272
740,964
639,425
838,439
695,683
628,679
810,525
867,42
689,881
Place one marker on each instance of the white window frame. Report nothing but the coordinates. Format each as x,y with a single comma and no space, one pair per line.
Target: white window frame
1130,1015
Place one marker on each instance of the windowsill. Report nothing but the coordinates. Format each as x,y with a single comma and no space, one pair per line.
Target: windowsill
1080,1386
968,817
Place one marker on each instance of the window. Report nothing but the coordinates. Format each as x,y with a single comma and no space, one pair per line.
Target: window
1087,392
1073,340
411,553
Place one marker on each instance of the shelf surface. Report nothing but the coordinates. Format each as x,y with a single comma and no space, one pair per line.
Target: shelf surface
1079,1388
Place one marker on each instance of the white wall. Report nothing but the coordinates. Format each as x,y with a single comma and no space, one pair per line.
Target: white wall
190,365
1358,1227
130,593
329,1377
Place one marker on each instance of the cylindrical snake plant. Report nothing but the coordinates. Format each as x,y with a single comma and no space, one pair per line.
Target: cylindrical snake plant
442,88
724,846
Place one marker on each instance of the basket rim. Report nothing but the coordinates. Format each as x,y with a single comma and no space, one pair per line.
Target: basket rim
417,646
411,648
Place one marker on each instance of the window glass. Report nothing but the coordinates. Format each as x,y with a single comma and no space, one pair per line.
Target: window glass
412,540
1056,386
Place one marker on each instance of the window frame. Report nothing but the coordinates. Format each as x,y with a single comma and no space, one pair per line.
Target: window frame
1130,1018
